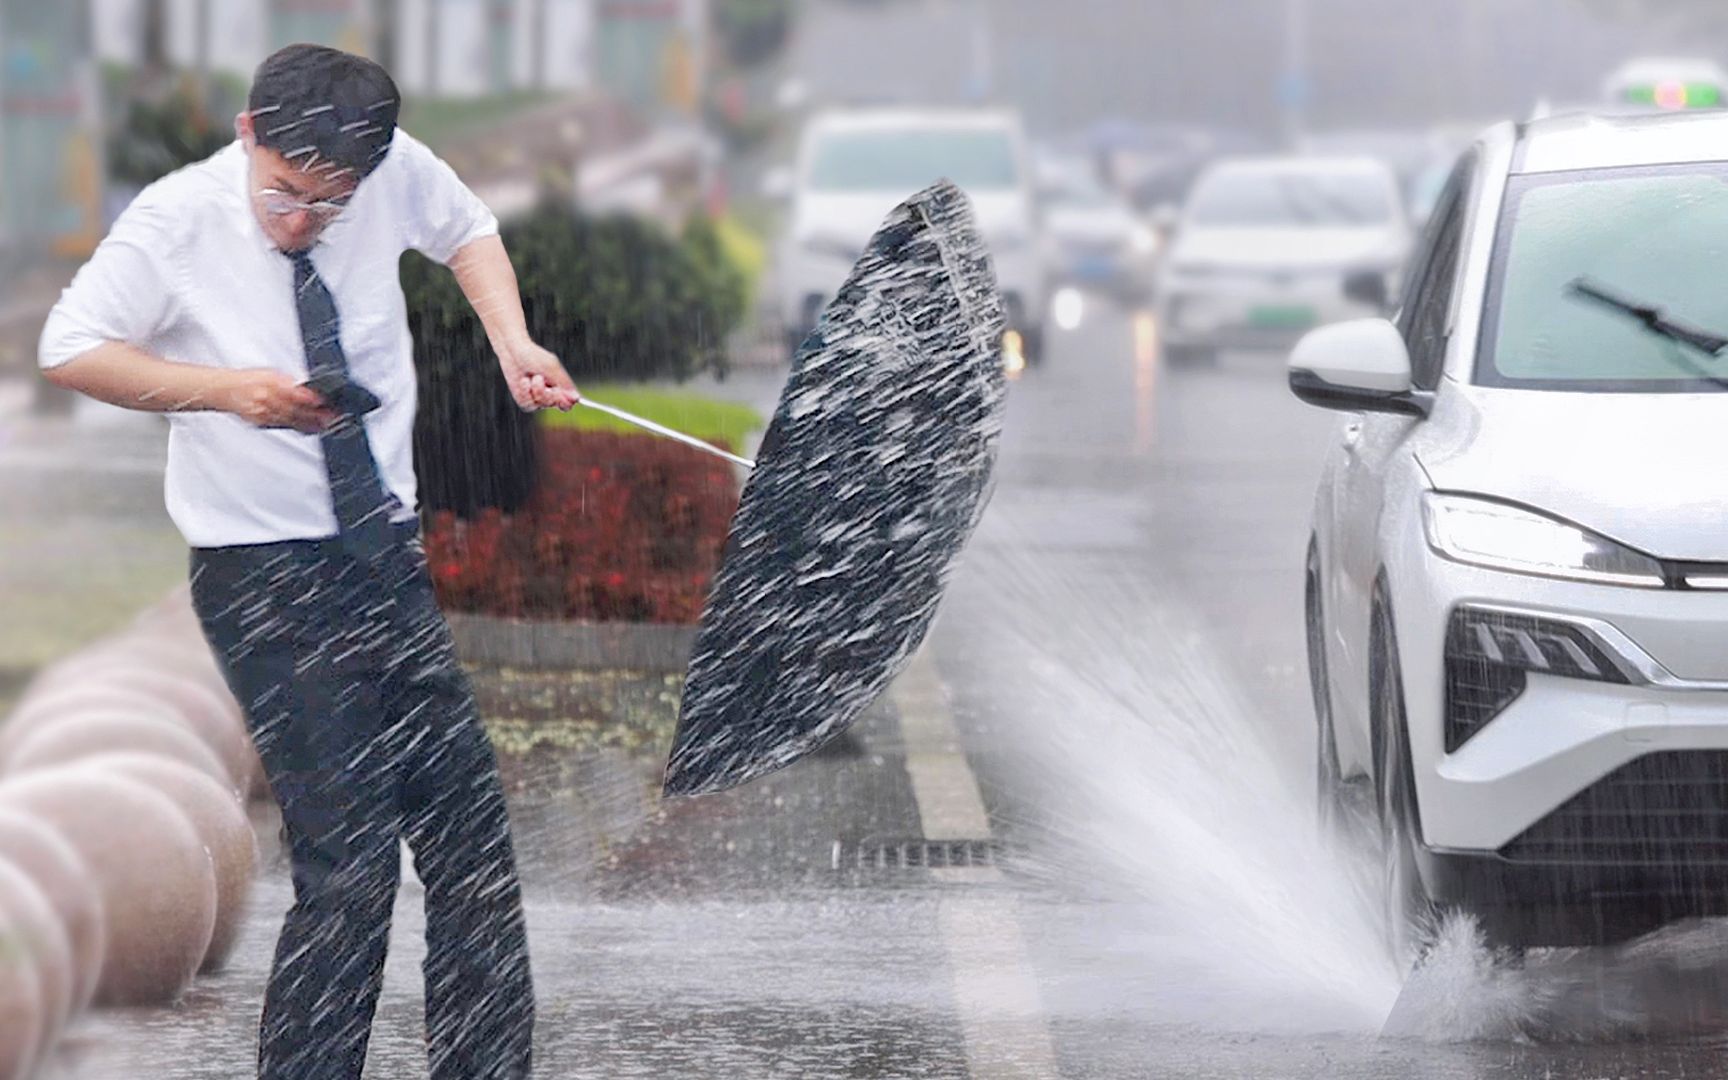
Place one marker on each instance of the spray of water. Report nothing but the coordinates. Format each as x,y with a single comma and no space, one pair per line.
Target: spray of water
1670,984
1225,907
1465,991
1228,908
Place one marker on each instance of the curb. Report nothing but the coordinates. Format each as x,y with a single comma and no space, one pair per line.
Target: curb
528,644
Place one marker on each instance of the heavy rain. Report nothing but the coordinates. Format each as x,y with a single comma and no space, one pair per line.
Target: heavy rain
863,538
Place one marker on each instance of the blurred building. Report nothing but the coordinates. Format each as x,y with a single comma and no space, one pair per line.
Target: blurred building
644,53
50,153
446,48
1273,67
466,48
649,52
641,53
216,35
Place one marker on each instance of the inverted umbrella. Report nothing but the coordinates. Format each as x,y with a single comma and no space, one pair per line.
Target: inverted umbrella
868,484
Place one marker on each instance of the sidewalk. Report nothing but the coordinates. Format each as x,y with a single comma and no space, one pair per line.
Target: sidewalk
84,541
16,392
708,938
749,934
29,294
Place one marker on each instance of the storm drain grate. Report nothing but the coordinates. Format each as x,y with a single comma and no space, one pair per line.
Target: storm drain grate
915,854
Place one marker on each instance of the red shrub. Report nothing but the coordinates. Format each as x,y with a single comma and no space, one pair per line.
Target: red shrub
621,528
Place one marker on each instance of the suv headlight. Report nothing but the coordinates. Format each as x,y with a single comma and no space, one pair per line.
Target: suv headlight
1500,536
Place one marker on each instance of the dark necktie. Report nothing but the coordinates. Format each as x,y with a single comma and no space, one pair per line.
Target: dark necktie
364,506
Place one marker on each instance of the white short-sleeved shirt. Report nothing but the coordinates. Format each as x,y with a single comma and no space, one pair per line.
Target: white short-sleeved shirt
188,274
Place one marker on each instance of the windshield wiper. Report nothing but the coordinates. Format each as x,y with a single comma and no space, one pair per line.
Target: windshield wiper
1655,319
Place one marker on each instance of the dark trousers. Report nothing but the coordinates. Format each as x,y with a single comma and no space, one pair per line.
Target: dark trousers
369,736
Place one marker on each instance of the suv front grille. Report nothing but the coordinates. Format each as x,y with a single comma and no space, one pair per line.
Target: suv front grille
1665,809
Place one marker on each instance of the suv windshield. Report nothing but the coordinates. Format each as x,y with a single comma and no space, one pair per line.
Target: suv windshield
977,159
1295,199
1657,234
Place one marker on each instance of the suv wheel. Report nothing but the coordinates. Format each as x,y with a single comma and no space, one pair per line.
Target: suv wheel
1412,920
1329,796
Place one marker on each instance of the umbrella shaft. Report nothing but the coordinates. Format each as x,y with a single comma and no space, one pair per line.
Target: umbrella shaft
660,429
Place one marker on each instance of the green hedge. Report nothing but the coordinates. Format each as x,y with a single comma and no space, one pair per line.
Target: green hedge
617,299
694,414
150,137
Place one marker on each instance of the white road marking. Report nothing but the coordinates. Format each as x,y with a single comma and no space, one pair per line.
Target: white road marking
1001,1016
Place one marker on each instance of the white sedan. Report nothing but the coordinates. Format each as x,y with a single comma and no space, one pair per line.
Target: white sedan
1095,241
854,166
1517,591
1268,248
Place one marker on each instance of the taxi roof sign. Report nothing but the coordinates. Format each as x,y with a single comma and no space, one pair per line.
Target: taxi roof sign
1675,95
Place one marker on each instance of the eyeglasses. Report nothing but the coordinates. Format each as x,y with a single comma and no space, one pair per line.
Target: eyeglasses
279,203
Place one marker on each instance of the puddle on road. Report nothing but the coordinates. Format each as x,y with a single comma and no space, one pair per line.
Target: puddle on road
1671,984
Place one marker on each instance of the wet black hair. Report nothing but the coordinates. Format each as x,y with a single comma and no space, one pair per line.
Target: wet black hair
325,106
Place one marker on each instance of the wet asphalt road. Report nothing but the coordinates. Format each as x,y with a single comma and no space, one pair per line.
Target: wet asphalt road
1114,694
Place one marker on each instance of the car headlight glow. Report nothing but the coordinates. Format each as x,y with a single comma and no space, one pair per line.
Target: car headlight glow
1500,536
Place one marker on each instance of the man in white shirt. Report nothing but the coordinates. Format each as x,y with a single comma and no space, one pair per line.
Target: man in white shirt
254,298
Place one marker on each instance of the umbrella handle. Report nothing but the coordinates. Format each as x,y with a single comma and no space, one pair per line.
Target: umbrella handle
658,429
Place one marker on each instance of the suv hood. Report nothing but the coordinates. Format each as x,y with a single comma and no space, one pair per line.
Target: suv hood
1647,470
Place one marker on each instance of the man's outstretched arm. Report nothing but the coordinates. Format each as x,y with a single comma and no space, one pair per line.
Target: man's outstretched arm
536,378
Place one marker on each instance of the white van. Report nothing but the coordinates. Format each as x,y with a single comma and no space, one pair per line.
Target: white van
854,166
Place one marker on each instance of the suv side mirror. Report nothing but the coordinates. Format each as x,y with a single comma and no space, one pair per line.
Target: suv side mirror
1359,366
1368,288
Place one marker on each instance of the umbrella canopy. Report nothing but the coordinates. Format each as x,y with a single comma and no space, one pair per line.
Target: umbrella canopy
868,484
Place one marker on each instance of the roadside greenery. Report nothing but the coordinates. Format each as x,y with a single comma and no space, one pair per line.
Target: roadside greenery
152,133
619,528
751,32
617,298
440,121
693,414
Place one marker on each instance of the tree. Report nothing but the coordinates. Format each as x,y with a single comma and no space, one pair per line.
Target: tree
150,135
752,31
155,27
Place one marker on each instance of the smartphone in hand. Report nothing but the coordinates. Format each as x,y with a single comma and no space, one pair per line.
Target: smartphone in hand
343,394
